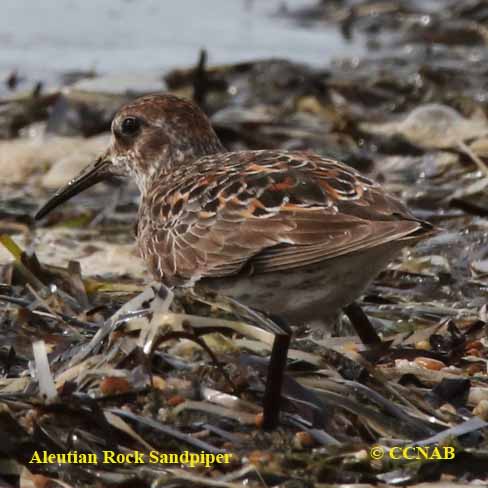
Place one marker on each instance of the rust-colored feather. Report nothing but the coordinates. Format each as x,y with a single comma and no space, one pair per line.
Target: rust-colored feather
265,211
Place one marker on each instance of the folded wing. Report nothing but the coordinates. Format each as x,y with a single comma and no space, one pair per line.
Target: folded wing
263,211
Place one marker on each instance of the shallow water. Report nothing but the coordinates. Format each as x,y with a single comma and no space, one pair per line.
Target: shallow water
41,39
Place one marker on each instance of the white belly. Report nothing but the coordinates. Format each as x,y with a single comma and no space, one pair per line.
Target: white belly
311,295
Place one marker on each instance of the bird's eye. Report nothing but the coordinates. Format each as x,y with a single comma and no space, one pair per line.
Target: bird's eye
130,126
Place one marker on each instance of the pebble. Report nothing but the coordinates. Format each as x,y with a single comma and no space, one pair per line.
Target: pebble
111,385
430,363
303,440
175,400
423,345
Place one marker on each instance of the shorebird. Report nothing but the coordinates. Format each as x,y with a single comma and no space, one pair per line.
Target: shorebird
287,232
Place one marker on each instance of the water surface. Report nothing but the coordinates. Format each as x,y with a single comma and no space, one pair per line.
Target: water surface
140,36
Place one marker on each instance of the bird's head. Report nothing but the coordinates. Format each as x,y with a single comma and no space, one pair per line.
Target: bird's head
150,136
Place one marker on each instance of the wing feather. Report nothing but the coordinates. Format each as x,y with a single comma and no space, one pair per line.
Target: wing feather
268,211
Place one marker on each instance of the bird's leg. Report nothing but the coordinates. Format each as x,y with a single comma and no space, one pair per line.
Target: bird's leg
362,325
276,373
277,362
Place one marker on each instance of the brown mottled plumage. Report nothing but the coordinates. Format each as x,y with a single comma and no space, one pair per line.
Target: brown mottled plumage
285,231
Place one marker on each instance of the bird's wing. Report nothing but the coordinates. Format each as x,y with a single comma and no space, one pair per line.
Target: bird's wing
262,211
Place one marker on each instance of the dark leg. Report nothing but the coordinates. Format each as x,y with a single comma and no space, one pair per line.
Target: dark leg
276,372
362,325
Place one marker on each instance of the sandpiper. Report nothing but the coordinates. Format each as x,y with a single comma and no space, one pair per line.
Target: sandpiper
288,232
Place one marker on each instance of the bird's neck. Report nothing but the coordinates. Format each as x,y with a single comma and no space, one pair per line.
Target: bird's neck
160,178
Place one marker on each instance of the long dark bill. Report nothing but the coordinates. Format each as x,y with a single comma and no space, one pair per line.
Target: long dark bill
91,175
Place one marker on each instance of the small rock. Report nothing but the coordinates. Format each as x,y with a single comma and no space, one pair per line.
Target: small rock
175,400
430,363
159,383
448,408
303,440
112,385
423,345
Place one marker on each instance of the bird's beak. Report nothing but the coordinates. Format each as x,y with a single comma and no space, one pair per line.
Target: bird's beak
94,173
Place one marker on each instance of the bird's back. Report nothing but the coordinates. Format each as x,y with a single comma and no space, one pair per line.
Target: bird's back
254,212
